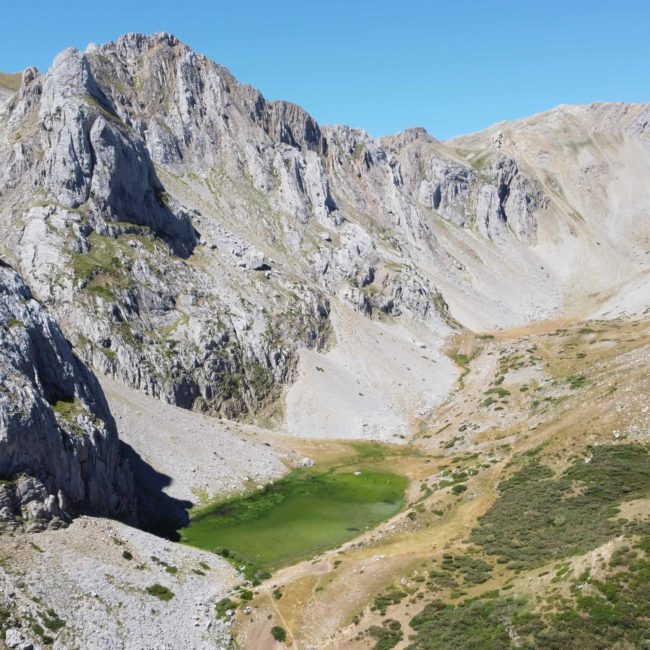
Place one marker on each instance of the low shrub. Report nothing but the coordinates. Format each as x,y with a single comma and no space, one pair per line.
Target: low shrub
279,633
160,591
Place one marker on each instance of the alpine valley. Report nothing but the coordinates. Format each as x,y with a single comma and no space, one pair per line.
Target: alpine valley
268,383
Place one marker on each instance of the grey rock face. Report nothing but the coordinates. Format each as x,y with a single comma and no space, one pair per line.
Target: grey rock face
104,242
93,158
119,161
494,196
59,452
448,189
15,638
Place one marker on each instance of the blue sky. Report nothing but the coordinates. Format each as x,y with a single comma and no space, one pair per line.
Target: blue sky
452,67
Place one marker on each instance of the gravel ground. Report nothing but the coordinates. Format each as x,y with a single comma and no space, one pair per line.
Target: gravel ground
82,574
372,384
203,456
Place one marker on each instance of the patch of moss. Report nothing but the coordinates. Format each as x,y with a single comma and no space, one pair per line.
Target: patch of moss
14,322
107,113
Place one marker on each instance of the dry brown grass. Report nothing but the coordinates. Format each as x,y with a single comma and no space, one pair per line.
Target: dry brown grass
10,82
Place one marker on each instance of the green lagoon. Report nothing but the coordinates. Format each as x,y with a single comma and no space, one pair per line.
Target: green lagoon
298,516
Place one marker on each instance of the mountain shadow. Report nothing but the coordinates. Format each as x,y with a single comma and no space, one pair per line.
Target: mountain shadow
158,513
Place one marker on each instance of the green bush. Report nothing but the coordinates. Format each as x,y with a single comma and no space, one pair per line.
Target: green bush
388,635
224,605
160,591
459,570
484,624
279,633
383,601
601,615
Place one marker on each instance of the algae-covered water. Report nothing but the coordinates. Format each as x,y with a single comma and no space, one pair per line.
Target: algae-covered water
298,516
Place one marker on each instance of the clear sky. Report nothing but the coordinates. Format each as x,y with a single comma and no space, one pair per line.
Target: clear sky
452,67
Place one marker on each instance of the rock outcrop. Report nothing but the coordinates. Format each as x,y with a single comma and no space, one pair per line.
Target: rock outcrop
59,451
491,194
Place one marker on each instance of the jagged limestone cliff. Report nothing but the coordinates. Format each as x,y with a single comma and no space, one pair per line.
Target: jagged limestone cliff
59,452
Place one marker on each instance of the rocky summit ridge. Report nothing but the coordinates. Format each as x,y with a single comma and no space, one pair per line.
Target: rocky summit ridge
155,181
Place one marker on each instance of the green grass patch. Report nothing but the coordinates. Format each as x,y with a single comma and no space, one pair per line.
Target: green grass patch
501,392
68,409
105,268
105,111
576,381
14,322
52,621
